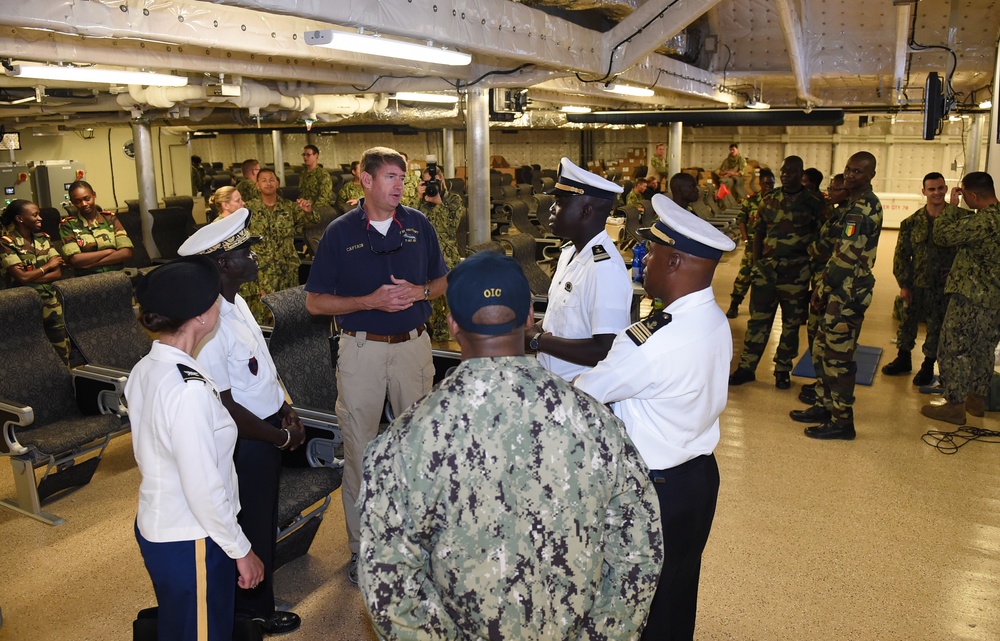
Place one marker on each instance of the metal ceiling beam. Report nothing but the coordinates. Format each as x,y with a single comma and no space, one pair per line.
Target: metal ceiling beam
649,26
189,23
791,27
500,29
903,16
716,117
497,29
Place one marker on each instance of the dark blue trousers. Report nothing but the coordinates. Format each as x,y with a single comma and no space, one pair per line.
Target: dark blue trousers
687,495
258,466
195,585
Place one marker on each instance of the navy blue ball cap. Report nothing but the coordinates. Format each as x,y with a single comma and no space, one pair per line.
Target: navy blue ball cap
484,280
181,289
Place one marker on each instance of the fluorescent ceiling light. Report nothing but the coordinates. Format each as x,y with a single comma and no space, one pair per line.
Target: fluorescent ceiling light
757,104
574,109
376,45
629,90
415,96
97,75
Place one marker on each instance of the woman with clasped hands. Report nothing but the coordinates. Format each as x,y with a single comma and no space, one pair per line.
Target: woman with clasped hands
183,439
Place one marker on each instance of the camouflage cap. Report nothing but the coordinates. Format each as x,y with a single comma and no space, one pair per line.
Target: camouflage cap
484,280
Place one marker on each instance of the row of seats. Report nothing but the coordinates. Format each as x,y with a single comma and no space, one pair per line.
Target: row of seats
61,421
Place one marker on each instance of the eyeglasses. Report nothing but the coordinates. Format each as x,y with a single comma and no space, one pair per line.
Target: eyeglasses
371,245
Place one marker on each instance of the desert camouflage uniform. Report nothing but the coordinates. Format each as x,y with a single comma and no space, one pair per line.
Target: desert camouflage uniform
921,266
444,218
971,327
787,224
40,251
279,262
316,186
79,236
507,505
248,190
410,196
350,191
845,289
747,216
820,252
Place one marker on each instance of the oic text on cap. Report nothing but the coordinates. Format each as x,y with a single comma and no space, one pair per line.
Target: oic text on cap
223,235
483,280
574,181
685,231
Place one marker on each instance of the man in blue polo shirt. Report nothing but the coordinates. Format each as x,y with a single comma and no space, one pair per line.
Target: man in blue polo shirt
376,270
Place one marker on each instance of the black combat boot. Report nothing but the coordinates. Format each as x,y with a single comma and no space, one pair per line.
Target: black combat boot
901,365
926,373
734,309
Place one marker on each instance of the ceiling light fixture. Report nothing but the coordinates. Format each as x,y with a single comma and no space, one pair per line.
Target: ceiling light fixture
753,103
628,90
986,104
96,75
376,45
574,109
416,96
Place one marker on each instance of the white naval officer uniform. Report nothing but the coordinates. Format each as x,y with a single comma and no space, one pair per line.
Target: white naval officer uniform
670,390
236,357
590,294
668,380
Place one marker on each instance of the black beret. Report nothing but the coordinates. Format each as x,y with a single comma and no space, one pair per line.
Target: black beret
181,289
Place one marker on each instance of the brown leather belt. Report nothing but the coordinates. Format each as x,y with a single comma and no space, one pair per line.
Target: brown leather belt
391,338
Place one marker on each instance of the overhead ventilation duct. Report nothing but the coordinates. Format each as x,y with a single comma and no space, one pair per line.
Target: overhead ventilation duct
255,97
716,117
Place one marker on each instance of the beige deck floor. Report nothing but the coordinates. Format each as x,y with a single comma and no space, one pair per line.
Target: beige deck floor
880,538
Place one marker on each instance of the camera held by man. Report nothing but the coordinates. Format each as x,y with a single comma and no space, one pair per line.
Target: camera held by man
431,188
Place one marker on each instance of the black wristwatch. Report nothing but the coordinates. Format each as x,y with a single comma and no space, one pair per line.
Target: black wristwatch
533,343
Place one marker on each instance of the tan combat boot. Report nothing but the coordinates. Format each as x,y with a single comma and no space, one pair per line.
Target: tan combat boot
975,405
948,412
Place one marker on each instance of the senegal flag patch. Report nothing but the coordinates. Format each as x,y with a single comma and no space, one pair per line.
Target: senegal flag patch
851,224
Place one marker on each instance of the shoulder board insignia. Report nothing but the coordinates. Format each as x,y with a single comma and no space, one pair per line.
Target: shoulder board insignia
7,239
66,219
644,329
600,253
190,374
44,235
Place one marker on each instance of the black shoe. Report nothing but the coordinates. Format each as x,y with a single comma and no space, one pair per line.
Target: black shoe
830,431
741,376
782,380
280,623
808,394
352,569
926,373
733,311
815,414
901,365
